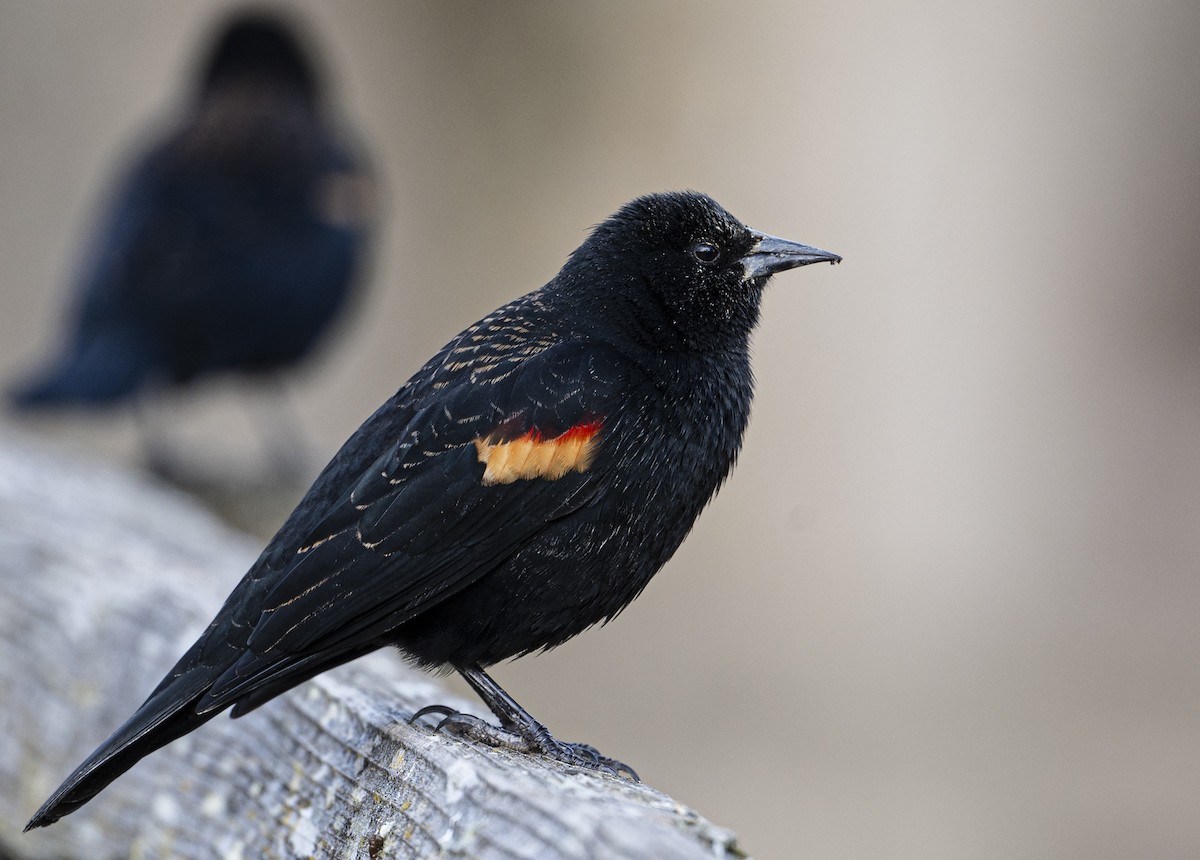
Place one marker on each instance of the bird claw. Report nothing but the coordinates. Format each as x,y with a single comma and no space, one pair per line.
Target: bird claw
470,727
444,710
585,755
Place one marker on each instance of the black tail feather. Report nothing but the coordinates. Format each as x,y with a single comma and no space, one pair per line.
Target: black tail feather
165,716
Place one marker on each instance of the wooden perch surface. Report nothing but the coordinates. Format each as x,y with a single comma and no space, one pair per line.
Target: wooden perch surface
106,578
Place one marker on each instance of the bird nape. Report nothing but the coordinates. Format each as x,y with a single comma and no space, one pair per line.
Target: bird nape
524,485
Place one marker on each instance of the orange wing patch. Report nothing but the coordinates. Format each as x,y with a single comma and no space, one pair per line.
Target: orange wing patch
533,456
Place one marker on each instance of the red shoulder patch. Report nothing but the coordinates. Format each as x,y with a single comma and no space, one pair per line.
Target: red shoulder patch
535,456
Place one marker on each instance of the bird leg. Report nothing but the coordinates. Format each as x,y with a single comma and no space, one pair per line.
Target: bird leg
518,729
284,441
159,457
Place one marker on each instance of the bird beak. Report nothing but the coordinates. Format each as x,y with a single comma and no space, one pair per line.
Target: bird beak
771,254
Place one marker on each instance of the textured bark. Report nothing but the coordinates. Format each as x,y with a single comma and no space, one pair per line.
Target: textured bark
105,578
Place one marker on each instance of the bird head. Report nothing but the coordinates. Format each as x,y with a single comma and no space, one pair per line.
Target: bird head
677,271
263,47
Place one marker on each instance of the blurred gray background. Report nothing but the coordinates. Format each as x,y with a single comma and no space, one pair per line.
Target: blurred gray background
947,605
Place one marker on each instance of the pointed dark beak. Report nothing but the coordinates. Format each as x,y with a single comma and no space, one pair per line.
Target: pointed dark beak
771,254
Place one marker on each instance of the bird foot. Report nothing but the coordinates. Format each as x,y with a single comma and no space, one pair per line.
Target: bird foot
534,739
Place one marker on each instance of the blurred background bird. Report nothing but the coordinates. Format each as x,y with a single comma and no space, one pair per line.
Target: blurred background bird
231,245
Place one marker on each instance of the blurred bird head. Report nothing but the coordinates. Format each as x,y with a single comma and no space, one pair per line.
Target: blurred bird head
257,116
259,46
682,272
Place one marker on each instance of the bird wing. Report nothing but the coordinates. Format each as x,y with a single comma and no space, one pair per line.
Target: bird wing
480,469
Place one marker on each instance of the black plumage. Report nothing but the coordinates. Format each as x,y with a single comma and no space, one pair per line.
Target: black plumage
524,485
232,242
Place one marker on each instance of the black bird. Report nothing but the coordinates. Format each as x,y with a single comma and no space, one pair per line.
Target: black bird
524,485
232,243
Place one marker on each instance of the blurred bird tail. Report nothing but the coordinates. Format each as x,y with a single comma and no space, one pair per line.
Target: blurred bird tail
98,373
165,716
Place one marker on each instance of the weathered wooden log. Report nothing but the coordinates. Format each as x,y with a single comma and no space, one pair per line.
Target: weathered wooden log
106,577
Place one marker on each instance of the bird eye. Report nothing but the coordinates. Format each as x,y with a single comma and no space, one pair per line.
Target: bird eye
706,252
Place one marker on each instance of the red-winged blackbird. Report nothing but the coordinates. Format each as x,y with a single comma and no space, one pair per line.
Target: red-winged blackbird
233,242
524,485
